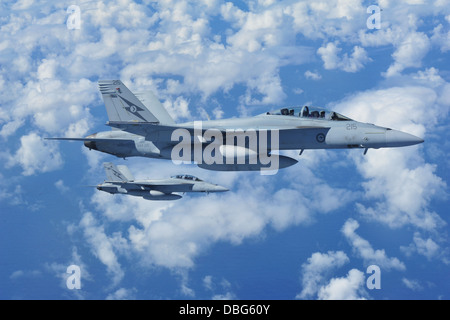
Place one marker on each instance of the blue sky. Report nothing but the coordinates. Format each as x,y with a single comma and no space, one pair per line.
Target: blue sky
308,232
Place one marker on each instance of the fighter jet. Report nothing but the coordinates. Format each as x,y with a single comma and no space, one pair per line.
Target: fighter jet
142,127
120,180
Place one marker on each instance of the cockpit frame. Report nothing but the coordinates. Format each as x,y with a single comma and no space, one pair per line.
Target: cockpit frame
308,112
186,177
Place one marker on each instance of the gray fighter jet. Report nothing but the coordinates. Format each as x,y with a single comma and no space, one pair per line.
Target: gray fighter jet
142,127
120,180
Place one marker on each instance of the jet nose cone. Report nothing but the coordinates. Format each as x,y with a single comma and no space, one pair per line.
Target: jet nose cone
220,189
395,138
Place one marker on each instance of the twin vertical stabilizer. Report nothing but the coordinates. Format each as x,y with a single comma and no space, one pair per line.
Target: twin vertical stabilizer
122,105
117,173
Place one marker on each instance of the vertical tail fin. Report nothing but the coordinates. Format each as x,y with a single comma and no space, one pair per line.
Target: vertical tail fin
122,105
117,173
152,103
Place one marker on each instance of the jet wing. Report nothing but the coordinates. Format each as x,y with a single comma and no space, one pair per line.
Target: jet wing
141,128
88,139
154,131
157,132
151,131
166,187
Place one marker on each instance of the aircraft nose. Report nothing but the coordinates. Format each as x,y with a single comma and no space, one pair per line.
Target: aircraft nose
220,189
395,138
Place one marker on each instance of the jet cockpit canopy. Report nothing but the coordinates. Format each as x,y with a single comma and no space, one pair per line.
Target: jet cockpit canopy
309,112
186,177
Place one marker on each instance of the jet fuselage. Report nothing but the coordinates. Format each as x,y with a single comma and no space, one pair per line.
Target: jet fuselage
294,134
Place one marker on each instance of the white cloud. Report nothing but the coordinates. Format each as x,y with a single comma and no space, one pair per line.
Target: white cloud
47,69
332,60
363,248
207,63
414,285
430,77
323,19
312,75
426,247
350,287
178,109
409,53
403,194
13,197
51,87
28,273
224,296
122,294
61,186
176,239
210,284
11,127
178,39
414,109
315,270
441,38
101,246
400,25
297,91
258,31
59,270
36,155
56,105
168,234
22,4
124,13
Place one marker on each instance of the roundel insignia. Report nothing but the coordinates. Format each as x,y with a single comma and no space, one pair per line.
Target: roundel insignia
320,137
133,109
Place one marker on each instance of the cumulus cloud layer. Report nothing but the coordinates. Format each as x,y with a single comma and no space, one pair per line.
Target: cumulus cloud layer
35,155
400,181
363,248
167,234
142,44
179,49
331,60
316,282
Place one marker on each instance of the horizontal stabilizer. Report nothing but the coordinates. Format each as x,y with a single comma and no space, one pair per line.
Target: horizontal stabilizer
143,128
87,139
